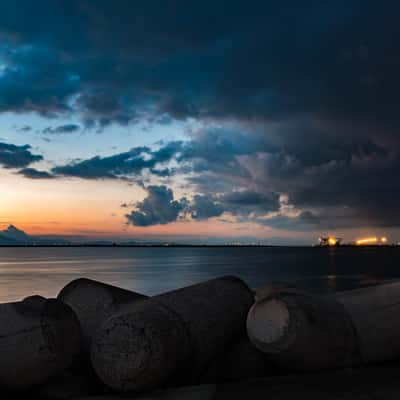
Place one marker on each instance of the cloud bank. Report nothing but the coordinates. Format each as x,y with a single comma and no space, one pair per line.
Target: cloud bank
293,101
13,156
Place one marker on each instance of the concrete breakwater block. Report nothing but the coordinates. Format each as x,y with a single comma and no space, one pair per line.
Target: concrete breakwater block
303,331
171,337
375,312
39,338
345,328
93,302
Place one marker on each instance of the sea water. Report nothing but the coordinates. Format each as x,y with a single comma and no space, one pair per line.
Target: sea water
152,270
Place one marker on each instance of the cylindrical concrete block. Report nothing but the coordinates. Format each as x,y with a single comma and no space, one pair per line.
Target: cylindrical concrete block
375,314
93,302
303,331
38,339
172,337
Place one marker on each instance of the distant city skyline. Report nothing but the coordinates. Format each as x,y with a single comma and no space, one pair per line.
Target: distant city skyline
200,121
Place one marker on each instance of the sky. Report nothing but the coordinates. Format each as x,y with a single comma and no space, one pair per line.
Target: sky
200,121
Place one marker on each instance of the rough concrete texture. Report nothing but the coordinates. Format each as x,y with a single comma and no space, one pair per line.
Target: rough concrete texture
93,302
172,337
38,338
374,312
313,333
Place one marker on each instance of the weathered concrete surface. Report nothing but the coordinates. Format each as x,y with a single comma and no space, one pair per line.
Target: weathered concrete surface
38,338
93,302
283,315
375,312
302,331
172,337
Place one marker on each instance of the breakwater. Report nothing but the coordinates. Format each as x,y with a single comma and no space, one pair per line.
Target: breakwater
99,341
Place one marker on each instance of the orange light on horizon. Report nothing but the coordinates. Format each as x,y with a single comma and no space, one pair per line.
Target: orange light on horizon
332,241
367,240
371,240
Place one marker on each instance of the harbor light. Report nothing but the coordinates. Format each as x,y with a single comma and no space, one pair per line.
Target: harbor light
329,241
332,241
371,241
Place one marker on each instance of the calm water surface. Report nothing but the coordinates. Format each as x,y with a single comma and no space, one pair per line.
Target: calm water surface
44,271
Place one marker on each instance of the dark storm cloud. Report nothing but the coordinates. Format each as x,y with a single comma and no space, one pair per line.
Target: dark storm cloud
113,167
238,203
259,60
61,129
204,207
248,201
304,96
210,150
32,173
121,165
336,181
158,207
346,183
13,156
34,78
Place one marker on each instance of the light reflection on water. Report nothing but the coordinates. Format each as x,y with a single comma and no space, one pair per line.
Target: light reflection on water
44,271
